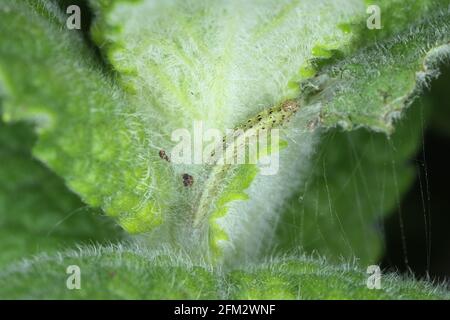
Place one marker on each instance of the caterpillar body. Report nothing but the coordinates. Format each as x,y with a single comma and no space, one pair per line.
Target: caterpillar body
264,121
272,117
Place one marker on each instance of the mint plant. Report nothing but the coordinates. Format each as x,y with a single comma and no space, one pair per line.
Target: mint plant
104,123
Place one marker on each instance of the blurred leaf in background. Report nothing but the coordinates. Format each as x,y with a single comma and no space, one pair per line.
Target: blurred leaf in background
420,242
357,179
37,211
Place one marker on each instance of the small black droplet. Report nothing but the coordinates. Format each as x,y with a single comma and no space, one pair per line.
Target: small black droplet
163,155
188,180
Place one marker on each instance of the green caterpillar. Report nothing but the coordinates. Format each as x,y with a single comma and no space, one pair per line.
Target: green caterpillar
264,121
272,117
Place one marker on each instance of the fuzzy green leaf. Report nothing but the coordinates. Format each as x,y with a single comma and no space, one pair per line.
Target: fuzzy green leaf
373,87
358,178
133,273
87,131
218,62
37,212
